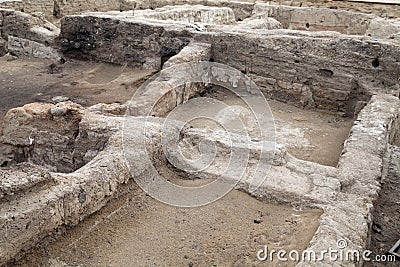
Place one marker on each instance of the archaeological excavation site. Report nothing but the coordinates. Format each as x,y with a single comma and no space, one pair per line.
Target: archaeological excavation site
199,133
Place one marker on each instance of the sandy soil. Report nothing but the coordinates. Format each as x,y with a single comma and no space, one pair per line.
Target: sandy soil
311,135
136,230
308,134
25,81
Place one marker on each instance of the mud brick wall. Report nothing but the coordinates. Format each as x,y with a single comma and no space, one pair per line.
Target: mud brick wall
16,5
331,72
60,8
325,70
313,19
121,41
67,7
30,6
384,10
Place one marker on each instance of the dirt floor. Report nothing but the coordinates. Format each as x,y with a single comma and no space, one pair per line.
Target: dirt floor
311,135
136,230
25,81
308,134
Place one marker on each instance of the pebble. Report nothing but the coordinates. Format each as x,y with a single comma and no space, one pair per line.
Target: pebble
257,221
58,99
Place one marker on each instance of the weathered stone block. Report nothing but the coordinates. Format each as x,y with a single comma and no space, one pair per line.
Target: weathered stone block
107,39
19,46
23,25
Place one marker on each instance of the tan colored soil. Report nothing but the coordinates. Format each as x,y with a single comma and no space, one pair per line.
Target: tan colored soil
317,136
311,135
137,230
25,81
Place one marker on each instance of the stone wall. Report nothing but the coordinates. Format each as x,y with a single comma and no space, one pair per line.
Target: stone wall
67,7
46,135
242,9
25,34
323,70
316,19
59,8
383,10
121,40
13,4
330,71
30,6
360,170
190,14
323,19
39,201
23,25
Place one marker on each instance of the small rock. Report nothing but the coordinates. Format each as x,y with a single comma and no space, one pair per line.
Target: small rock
300,118
9,57
376,228
58,99
58,111
258,221
54,69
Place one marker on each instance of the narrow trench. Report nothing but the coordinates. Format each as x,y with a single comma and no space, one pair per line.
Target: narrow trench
386,215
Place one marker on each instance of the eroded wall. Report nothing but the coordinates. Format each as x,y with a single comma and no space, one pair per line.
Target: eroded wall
331,72
323,70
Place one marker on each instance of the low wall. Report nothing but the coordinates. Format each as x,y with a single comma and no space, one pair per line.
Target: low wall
383,10
360,170
242,8
25,34
323,70
324,19
316,19
331,71
111,40
30,6
67,7
60,8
